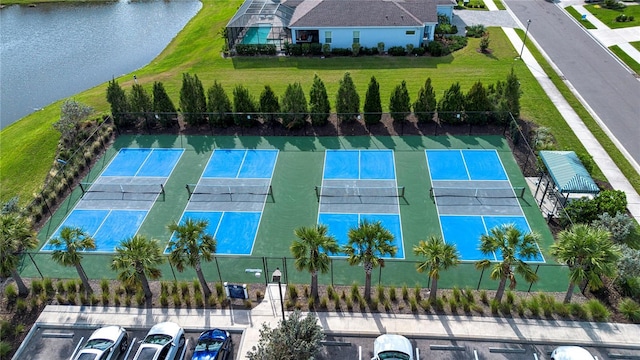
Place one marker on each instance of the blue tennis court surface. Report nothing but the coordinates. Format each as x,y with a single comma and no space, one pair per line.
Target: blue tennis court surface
241,164
339,225
359,164
107,227
465,165
235,232
143,162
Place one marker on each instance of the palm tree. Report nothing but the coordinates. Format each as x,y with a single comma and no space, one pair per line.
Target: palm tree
192,245
136,259
589,253
514,246
311,252
368,243
16,236
69,244
438,256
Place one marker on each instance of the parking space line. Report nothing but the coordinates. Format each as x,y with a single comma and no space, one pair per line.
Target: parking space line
57,335
77,347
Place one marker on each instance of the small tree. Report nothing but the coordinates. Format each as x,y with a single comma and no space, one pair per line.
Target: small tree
484,42
311,252
347,99
193,102
620,225
425,104
319,102
269,106
512,94
438,256
162,104
68,251
16,237
451,106
117,98
244,107
477,104
295,338
72,114
140,102
372,103
137,259
218,106
400,103
294,106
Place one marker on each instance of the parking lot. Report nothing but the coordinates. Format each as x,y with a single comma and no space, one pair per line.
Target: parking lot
347,347
60,343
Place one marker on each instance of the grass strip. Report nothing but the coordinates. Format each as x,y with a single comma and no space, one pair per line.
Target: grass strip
608,16
622,55
576,15
618,158
636,44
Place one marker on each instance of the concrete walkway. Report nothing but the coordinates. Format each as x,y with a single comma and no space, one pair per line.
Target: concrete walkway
600,156
420,326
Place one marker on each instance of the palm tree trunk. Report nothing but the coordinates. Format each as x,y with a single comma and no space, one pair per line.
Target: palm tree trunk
203,281
567,297
145,284
500,291
84,278
314,285
23,290
434,290
367,283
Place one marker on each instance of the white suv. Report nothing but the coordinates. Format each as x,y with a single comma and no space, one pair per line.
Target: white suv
163,342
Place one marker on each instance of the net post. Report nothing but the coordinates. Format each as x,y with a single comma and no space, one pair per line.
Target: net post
431,194
162,192
84,191
317,193
521,191
188,191
270,193
401,192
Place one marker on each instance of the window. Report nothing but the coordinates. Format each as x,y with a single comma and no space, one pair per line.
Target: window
327,37
356,37
410,32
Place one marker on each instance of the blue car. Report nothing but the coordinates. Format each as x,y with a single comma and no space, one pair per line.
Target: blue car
213,345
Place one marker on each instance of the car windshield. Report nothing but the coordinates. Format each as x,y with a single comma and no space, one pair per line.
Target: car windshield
86,357
100,344
158,339
208,345
393,355
147,354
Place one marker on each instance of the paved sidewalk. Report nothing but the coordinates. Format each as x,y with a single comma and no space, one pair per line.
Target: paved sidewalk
600,156
415,326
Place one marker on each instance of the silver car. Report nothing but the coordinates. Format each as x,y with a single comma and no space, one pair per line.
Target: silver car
106,343
392,347
571,353
163,342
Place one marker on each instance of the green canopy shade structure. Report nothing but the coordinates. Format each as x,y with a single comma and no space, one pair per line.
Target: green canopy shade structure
568,175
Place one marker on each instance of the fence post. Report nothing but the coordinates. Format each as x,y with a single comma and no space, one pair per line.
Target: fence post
218,267
36,265
479,281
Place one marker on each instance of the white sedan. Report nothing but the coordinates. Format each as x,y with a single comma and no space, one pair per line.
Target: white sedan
163,341
571,353
106,343
392,347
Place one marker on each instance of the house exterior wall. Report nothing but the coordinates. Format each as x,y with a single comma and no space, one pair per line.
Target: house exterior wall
371,36
446,10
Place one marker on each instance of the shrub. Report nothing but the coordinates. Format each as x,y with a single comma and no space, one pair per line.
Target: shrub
5,348
475,31
413,304
381,48
468,294
349,304
355,49
336,303
21,306
495,306
619,226
439,305
630,310
219,289
324,301
104,285
116,300
561,309
355,292
410,48
48,286
11,292
196,286
164,300
330,292
311,302
511,297
184,288
416,292
397,51
483,297
36,287
381,293
405,292
293,292
177,302
392,294
598,310
456,293
534,306
453,304
419,51
326,49
105,298
341,52
521,307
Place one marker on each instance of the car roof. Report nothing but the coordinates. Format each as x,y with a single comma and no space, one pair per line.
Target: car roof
107,332
214,334
392,342
169,328
572,353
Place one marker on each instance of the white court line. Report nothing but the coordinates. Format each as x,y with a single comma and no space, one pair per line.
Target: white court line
466,168
241,164
143,162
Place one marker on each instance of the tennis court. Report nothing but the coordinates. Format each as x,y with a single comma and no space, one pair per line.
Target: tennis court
473,194
113,207
359,185
230,196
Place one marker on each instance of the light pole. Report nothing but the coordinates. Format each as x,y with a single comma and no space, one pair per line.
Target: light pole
276,278
525,38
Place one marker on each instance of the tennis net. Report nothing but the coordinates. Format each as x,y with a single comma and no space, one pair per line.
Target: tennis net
114,191
225,193
359,191
516,192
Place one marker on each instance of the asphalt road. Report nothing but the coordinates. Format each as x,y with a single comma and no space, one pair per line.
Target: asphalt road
609,89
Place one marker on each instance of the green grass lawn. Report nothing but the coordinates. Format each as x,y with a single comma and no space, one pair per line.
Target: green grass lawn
576,15
634,65
608,16
636,44
28,146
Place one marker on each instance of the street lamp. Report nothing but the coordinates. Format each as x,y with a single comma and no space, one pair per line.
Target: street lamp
525,37
275,277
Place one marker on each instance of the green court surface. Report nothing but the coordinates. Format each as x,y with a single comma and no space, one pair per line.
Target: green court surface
298,169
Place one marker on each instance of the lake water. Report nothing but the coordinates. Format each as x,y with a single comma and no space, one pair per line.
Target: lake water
53,51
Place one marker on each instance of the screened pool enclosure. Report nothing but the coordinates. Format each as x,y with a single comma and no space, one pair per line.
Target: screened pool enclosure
260,22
